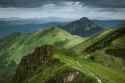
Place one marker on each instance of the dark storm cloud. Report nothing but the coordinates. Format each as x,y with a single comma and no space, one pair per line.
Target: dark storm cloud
64,9
105,3
27,3
38,3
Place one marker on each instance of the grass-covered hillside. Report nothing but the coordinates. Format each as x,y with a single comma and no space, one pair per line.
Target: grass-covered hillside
55,56
49,64
17,45
20,44
107,49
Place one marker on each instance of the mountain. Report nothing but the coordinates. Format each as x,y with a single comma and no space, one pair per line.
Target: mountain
43,59
48,36
10,25
102,40
17,45
83,27
56,56
52,63
106,48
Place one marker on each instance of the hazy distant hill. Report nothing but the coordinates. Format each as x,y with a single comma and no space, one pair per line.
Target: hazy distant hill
83,27
8,27
109,23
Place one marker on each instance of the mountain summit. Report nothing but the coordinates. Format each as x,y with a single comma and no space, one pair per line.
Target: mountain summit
83,27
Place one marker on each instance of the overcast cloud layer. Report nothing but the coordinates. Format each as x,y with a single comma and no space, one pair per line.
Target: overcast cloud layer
37,3
64,9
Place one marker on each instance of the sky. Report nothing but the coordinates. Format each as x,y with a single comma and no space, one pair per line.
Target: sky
66,10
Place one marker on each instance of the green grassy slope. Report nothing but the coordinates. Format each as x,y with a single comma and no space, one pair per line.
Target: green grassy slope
88,56
91,41
103,68
106,49
93,69
66,60
100,41
17,45
20,45
113,54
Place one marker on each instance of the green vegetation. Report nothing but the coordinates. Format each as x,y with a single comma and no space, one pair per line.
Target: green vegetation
106,48
91,68
17,45
20,44
66,60
93,59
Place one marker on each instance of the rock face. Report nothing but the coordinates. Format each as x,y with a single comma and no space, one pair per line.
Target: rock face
83,27
70,76
29,64
65,77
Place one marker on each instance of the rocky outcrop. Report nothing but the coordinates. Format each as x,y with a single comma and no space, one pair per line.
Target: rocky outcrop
71,76
29,64
66,77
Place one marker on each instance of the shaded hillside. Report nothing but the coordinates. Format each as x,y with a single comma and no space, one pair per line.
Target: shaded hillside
108,39
83,27
117,47
106,48
100,41
113,49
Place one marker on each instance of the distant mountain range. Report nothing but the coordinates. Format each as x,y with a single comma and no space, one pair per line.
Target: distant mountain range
109,23
82,27
8,27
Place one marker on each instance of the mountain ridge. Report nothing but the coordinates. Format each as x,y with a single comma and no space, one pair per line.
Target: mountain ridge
24,51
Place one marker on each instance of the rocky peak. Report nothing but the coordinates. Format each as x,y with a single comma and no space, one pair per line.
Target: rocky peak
84,19
29,64
83,27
